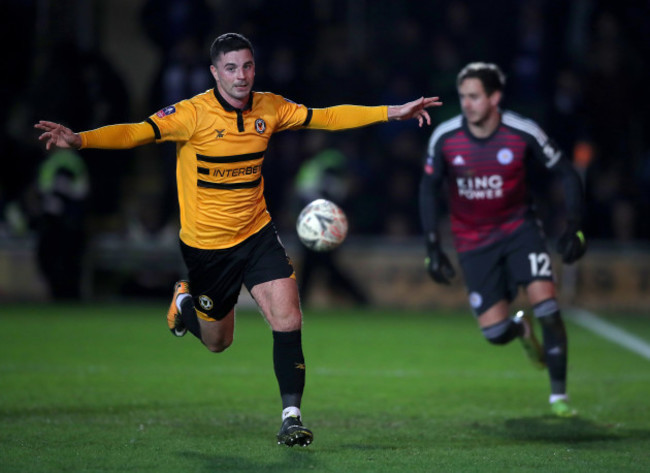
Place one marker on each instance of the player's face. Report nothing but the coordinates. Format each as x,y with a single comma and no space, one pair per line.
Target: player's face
477,106
235,74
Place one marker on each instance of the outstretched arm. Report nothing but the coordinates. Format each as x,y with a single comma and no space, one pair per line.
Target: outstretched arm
415,109
121,136
344,117
58,135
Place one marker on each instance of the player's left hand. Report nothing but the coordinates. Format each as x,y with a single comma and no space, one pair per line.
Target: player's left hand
572,244
438,265
415,109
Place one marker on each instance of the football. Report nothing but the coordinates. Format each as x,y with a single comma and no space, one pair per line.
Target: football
322,225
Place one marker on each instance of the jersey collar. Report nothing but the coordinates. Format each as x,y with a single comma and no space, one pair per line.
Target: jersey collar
229,108
476,138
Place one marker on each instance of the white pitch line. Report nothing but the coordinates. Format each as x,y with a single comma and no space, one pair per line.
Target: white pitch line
611,332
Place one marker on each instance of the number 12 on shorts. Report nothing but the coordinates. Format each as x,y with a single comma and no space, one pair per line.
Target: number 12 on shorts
540,264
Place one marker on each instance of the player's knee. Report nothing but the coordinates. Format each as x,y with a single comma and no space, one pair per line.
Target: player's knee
500,333
287,322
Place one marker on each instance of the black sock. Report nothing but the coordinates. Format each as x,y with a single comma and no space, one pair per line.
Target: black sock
555,349
289,364
189,318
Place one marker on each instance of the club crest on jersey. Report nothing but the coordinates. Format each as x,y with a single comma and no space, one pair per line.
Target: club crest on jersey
205,302
166,111
260,126
505,156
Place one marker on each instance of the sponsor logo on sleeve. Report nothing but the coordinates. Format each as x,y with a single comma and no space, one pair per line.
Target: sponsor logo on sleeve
166,111
428,165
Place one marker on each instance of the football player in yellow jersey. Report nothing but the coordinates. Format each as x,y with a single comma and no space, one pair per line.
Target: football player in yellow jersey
227,237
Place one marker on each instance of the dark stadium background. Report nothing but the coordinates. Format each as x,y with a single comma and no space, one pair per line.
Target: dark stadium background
579,68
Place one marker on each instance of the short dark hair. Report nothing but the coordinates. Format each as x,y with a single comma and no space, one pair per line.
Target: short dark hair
489,74
228,42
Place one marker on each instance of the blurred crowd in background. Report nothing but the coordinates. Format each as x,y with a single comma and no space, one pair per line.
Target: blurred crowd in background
579,68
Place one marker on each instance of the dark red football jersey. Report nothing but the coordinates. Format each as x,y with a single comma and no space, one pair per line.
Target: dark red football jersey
488,192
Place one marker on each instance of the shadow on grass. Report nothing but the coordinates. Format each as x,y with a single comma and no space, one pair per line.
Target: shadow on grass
557,430
298,459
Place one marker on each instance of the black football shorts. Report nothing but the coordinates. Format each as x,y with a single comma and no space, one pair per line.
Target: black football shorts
496,271
216,276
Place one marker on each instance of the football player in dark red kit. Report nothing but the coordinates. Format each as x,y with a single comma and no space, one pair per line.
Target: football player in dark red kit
484,155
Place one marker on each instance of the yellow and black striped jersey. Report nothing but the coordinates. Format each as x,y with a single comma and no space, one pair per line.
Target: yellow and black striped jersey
220,151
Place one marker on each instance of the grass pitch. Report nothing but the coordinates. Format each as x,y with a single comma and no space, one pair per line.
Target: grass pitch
108,389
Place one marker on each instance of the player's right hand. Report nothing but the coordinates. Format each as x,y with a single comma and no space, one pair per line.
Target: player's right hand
438,265
58,136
